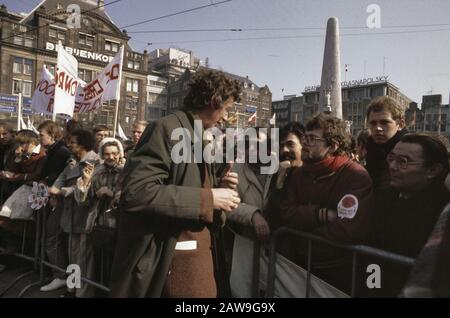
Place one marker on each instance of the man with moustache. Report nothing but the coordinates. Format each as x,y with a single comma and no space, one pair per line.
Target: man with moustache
330,195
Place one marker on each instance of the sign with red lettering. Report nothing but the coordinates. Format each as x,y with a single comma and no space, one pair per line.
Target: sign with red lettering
87,97
66,82
43,97
104,87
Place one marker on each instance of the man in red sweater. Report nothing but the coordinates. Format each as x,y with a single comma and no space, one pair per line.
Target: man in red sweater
330,195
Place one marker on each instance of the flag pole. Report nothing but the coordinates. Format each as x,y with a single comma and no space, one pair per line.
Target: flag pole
116,111
116,115
19,111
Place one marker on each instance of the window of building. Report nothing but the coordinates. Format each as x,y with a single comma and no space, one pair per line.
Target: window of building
130,64
26,88
27,67
17,86
111,46
85,39
85,75
22,66
17,65
56,34
137,65
21,86
132,85
28,42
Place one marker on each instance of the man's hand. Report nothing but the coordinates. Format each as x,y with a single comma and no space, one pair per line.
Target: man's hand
262,228
104,191
54,191
229,180
282,172
225,199
332,215
6,174
87,172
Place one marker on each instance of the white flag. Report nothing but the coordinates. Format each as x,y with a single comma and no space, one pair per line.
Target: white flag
31,126
43,97
272,120
22,124
252,118
121,132
66,81
104,87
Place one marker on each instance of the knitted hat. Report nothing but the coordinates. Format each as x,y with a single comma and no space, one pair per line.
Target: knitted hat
107,140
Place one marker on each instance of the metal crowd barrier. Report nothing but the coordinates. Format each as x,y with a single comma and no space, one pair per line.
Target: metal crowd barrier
34,259
39,258
355,249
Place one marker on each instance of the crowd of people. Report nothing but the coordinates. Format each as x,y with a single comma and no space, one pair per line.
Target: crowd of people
155,227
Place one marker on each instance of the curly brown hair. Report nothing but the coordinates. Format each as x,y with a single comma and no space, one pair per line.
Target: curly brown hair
386,103
210,86
334,131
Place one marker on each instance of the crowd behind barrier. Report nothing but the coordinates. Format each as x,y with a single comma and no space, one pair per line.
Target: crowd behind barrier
310,219
40,263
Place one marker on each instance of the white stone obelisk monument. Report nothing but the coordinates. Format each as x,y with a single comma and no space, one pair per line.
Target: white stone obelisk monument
330,86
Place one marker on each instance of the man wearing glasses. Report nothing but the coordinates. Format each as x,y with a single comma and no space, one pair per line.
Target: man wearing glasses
329,195
406,215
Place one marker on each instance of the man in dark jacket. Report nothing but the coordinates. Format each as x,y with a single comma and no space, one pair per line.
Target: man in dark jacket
406,215
7,147
167,239
386,121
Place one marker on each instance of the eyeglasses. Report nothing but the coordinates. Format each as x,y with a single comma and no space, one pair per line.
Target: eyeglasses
401,161
310,139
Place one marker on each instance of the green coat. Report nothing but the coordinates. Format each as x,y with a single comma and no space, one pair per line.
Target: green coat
160,199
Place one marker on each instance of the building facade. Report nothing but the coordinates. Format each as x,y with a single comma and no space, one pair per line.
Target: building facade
288,110
156,106
432,117
29,42
356,96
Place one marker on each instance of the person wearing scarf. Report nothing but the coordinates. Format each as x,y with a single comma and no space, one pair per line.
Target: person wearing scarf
330,195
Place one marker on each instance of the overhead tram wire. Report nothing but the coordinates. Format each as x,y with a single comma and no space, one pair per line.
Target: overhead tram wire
294,37
58,20
282,29
176,13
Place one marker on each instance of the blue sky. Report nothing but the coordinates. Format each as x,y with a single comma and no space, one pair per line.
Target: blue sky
290,58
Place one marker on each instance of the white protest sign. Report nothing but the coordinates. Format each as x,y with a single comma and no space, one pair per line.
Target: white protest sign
66,81
43,97
104,87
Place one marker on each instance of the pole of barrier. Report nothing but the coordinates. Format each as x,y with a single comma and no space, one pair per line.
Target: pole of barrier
308,273
44,212
353,290
22,256
355,249
36,259
255,278
271,266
